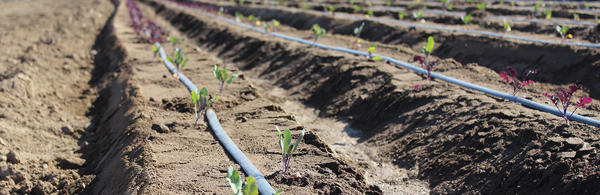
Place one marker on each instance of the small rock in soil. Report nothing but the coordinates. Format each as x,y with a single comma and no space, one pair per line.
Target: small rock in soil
2,158
556,140
160,128
12,157
574,141
67,129
586,147
2,142
570,154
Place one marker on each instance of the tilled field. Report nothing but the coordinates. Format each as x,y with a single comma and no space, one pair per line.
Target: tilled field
88,109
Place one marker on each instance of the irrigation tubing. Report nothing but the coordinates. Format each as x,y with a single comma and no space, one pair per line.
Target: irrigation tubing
523,101
263,186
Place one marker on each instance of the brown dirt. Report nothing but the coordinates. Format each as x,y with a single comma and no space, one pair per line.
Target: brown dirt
459,140
44,93
87,110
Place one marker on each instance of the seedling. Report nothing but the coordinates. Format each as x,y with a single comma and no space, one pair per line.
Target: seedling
356,8
425,62
536,8
357,32
223,76
267,27
576,17
444,2
548,13
221,10
564,97
586,5
481,6
466,19
235,181
318,32
201,101
371,50
506,26
513,3
370,13
450,7
352,2
251,18
418,15
501,3
388,2
287,148
331,9
401,15
178,59
175,41
275,24
562,30
514,82
239,17
155,50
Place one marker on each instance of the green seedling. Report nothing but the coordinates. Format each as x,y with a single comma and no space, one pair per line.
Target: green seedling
401,15
506,26
201,101
586,5
175,41
352,2
450,7
223,76
287,147
275,24
466,19
548,13
331,9
513,3
501,3
418,15
357,32
305,5
156,51
370,13
239,17
178,59
481,6
576,17
241,2
444,2
536,8
318,32
562,30
235,181
371,50
356,8
267,27
388,2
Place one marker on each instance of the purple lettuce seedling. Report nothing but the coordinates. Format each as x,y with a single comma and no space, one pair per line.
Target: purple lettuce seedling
201,101
563,96
287,148
425,62
223,76
514,82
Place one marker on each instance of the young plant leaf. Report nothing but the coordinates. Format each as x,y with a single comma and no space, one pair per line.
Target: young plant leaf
428,49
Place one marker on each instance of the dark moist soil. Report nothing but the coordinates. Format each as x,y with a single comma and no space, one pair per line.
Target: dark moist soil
458,140
557,65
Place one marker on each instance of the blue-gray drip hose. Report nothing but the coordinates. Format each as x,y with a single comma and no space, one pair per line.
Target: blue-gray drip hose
263,186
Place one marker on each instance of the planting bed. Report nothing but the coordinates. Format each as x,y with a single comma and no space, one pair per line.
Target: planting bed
89,109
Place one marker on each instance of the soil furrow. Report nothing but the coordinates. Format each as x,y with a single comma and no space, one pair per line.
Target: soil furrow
461,142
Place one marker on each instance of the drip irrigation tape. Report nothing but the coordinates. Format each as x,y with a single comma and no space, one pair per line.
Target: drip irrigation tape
263,186
525,102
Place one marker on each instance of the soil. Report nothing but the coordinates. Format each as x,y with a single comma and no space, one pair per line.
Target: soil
116,122
458,140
